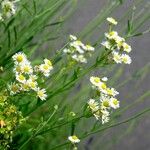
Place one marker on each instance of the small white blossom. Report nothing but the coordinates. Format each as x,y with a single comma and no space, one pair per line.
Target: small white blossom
126,47
73,139
117,57
41,93
19,58
21,78
126,59
112,20
72,37
114,103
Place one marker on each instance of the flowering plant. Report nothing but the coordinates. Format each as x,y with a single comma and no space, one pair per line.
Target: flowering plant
55,96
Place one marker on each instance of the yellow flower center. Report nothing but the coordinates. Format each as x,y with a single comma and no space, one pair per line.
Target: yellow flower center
106,103
97,80
46,67
115,102
74,137
103,86
26,69
21,77
19,58
40,93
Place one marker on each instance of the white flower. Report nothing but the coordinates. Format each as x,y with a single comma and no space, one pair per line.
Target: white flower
112,20
114,103
89,48
105,119
66,50
48,62
13,88
111,35
105,116
104,79
95,80
102,87
107,44
25,86
126,59
105,103
72,37
79,58
94,106
8,8
26,68
21,78
33,77
117,57
32,84
112,92
126,47
19,58
41,93
45,69
73,139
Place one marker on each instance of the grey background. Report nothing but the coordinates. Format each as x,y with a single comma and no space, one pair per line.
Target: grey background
140,137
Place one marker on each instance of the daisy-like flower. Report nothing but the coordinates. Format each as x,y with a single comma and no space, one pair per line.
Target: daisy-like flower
13,88
114,103
79,58
95,81
21,78
67,51
25,86
94,106
107,44
89,48
104,79
48,62
105,103
32,84
117,57
17,69
112,20
26,68
112,92
105,116
127,48
45,69
102,87
8,8
73,139
111,35
72,37
19,58
126,59
33,77
41,93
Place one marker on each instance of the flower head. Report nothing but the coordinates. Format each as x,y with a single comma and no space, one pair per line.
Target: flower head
73,139
41,93
112,20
